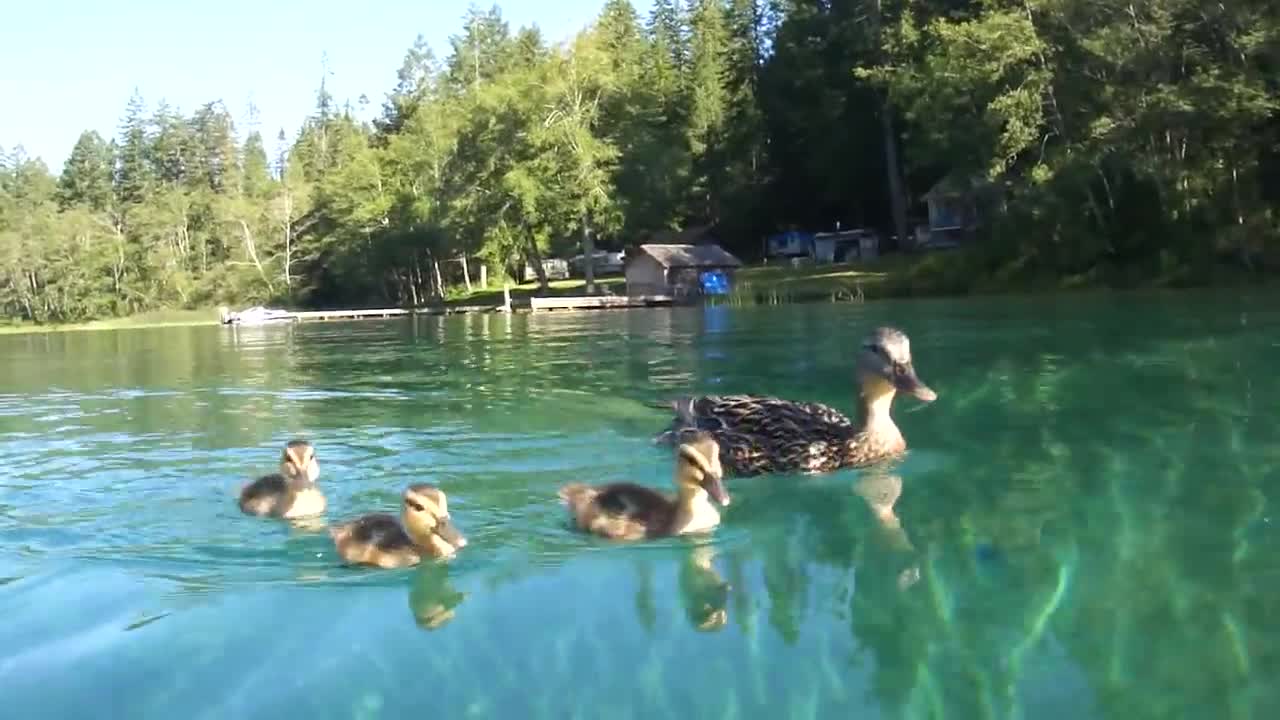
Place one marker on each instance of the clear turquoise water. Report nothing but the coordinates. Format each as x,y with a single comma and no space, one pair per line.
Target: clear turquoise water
1087,514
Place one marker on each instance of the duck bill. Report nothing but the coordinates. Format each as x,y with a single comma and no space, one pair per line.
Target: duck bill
715,488
447,532
909,383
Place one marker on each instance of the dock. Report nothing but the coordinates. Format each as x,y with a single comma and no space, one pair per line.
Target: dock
323,315
535,304
598,302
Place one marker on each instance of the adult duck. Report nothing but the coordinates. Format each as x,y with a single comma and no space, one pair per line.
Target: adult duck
761,434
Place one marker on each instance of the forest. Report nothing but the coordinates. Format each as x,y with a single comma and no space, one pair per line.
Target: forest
1111,141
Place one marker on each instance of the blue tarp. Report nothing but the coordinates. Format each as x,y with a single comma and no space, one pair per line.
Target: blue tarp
714,282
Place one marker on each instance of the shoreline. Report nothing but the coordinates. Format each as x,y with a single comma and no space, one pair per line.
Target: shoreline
890,278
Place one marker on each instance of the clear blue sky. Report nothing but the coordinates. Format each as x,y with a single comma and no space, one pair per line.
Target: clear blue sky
71,65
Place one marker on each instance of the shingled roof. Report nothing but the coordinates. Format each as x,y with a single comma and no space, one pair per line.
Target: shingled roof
690,255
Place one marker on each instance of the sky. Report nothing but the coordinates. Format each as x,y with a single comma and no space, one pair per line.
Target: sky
71,66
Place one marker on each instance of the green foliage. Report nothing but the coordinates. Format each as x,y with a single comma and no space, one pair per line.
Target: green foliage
1117,142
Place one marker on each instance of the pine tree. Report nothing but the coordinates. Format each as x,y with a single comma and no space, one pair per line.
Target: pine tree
257,175
709,105
86,176
133,173
482,51
170,150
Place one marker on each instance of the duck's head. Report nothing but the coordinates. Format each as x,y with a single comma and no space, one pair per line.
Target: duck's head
425,514
698,467
884,366
299,462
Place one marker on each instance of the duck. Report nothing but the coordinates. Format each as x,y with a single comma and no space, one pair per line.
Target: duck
424,529
290,493
763,434
628,511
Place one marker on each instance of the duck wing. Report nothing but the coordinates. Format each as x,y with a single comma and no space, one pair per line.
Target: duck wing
268,495
378,530
619,510
754,415
757,432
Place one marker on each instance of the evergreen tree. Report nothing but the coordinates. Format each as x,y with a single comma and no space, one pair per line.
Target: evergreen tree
709,74
133,173
86,175
171,148
257,175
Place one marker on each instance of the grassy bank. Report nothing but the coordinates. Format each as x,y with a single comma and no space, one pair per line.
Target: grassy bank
157,318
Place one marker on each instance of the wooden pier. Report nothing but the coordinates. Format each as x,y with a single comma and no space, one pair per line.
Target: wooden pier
597,302
535,304
324,315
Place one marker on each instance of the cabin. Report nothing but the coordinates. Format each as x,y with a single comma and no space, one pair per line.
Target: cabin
555,268
680,270
793,243
953,210
604,262
845,246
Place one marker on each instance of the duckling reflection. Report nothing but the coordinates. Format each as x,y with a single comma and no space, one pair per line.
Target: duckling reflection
424,529
646,608
880,489
290,493
703,591
432,598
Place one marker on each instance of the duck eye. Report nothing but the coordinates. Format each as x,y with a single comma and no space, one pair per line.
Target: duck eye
415,505
899,369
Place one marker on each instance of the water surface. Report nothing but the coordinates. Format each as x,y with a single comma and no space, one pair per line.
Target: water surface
1084,527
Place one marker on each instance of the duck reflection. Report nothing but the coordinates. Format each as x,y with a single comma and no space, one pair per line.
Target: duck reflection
881,489
432,598
877,548
703,591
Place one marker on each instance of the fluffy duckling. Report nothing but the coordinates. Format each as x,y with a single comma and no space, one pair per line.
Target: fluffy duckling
423,530
290,493
627,511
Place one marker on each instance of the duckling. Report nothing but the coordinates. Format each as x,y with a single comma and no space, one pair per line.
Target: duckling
290,493
627,511
423,530
761,434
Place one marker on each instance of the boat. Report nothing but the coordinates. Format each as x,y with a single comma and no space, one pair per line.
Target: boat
256,315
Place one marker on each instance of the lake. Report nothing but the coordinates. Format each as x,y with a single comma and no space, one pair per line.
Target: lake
1085,525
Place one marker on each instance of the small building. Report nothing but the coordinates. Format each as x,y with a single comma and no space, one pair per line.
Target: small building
793,243
604,262
953,210
680,270
845,246
555,268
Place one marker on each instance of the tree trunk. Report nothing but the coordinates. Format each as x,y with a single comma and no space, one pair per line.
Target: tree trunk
466,271
536,256
588,258
288,238
435,266
897,202
251,250
415,274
